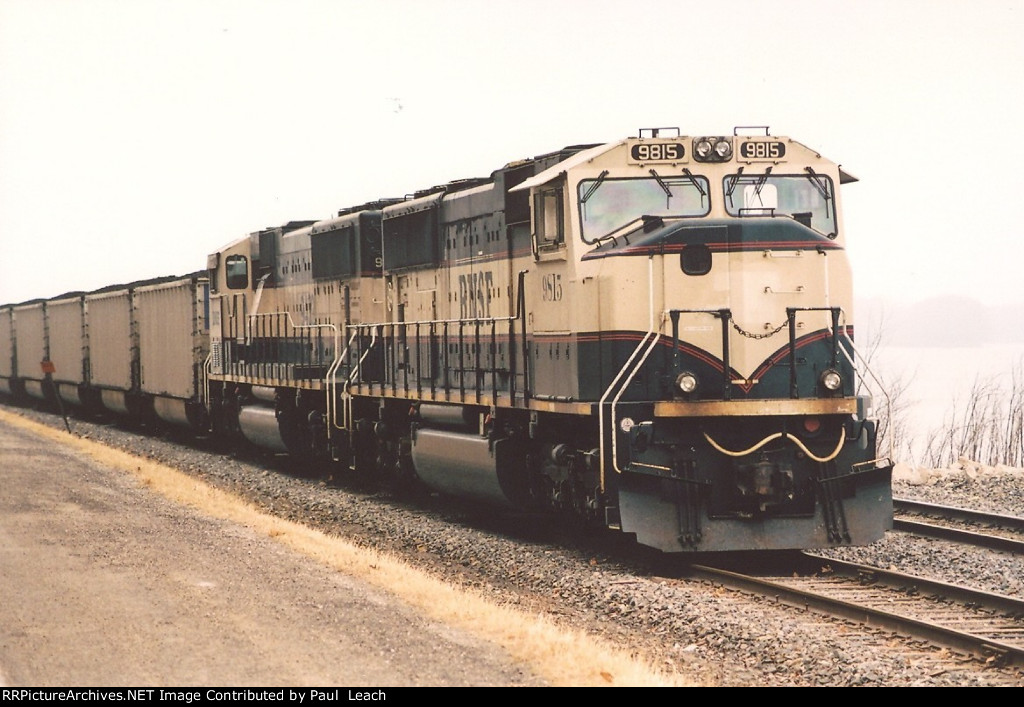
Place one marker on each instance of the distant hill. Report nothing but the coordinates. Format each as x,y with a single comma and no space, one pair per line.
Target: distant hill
940,321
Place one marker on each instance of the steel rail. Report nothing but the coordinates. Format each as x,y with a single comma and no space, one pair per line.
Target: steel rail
986,647
1014,524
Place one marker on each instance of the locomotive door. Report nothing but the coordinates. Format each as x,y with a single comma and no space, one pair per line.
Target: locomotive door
552,349
421,335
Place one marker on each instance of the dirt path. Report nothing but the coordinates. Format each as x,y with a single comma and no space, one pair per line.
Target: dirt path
104,583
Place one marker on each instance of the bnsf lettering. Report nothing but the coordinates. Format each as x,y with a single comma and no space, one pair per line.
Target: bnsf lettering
551,288
658,151
475,294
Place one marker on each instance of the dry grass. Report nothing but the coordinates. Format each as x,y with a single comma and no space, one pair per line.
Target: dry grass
892,406
987,427
562,656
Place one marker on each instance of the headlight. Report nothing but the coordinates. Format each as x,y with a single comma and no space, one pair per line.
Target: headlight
712,149
686,382
831,380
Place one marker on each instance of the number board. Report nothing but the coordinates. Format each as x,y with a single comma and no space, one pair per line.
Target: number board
762,150
657,152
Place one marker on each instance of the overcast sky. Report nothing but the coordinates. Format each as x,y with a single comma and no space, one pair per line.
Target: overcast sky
137,136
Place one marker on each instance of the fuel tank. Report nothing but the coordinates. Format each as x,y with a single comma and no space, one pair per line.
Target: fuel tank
462,464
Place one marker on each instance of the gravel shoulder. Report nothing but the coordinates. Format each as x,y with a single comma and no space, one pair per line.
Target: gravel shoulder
610,591
106,583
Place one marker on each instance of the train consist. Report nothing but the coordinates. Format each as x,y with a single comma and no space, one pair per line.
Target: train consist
653,334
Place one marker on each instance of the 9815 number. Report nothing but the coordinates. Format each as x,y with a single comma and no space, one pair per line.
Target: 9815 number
762,150
657,151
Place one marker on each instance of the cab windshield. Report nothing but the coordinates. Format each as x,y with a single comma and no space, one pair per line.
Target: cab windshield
808,198
608,205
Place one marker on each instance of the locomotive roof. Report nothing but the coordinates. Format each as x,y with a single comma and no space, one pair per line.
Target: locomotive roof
579,158
597,150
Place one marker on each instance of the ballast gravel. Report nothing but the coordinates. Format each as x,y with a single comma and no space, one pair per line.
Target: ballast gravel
615,590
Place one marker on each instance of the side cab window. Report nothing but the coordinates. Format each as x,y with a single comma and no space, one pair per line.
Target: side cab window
236,272
548,218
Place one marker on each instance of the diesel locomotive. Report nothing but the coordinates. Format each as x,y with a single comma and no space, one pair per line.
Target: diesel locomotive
654,335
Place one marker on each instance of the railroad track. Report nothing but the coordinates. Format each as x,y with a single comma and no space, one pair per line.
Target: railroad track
971,624
929,657
989,530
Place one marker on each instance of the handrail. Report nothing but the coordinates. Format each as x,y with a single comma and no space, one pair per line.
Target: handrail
394,333
791,322
622,388
466,320
290,323
207,370
398,332
331,379
354,371
622,371
725,315
251,320
871,373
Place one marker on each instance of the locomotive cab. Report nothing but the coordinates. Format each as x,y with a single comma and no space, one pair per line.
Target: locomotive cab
654,334
713,303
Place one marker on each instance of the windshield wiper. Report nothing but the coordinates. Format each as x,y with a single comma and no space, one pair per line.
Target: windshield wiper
761,182
822,186
695,183
664,187
594,186
733,181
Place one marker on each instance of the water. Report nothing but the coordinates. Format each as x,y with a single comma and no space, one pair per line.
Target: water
939,381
